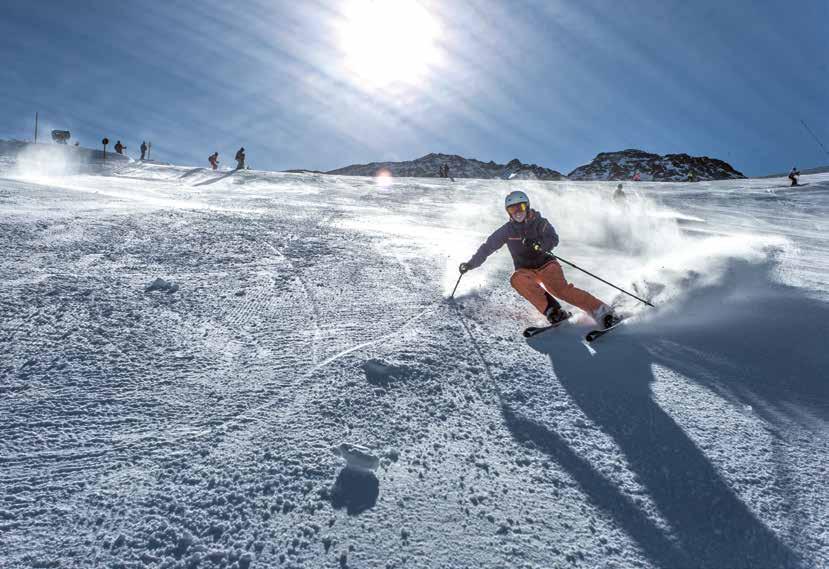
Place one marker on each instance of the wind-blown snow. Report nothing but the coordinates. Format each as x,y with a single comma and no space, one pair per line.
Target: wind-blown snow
150,427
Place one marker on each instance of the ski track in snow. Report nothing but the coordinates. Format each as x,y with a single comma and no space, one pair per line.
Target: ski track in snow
195,428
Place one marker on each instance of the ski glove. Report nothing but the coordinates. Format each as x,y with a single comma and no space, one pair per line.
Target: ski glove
463,267
531,244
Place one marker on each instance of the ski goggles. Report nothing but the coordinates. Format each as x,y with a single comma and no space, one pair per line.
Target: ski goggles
517,207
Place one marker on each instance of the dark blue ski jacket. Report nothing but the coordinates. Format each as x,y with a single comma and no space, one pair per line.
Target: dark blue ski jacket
512,233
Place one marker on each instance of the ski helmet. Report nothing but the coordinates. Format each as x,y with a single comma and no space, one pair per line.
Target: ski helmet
516,197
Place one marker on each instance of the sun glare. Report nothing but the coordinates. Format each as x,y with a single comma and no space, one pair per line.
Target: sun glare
388,41
383,178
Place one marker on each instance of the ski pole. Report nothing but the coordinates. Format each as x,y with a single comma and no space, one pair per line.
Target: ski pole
451,296
598,278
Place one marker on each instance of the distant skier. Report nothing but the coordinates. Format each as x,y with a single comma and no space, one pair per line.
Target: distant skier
691,177
446,171
240,159
619,194
143,148
119,148
793,176
537,277
214,160
637,177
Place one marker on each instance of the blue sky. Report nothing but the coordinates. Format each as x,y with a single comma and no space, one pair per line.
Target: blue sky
324,84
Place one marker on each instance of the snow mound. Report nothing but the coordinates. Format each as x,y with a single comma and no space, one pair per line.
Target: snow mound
357,457
160,284
380,373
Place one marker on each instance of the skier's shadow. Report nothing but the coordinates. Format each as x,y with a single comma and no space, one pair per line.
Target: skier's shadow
711,526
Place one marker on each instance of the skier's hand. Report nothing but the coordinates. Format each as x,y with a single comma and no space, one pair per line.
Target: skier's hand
531,244
463,267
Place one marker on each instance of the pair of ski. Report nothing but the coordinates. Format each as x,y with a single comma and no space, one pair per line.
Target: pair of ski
589,337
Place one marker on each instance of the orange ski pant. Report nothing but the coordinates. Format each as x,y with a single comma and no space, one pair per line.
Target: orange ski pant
531,284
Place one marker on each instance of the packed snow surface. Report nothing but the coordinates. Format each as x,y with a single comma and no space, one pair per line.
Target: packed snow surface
191,359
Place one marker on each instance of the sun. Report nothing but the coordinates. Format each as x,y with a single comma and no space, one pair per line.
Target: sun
388,41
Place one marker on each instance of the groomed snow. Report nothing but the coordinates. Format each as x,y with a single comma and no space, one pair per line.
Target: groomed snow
199,420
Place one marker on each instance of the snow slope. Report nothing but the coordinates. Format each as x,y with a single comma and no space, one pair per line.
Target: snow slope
201,426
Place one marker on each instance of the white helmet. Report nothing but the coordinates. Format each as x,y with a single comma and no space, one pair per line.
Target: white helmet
515,198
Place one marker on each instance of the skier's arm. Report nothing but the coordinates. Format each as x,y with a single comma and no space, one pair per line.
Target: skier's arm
492,244
549,237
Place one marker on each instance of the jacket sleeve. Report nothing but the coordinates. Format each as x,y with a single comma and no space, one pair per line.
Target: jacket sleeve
549,237
492,244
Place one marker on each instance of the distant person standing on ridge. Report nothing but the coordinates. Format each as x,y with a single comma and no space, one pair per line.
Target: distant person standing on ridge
793,176
214,160
637,177
143,148
446,171
119,148
240,159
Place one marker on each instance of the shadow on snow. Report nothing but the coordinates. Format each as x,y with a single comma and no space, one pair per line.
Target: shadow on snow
748,340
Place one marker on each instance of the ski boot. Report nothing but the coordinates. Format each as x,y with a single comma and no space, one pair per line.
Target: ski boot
605,317
556,315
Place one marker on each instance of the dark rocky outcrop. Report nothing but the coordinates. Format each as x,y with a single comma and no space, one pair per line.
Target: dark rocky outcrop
624,164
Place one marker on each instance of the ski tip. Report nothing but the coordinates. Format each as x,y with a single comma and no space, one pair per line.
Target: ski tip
531,331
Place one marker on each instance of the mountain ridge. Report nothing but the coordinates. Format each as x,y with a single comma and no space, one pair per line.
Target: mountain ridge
624,164
459,167
616,165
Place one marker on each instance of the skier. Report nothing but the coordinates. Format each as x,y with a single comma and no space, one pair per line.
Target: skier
793,176
537,277
143,148
119,148
214,160
637,177
240,159
619,195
